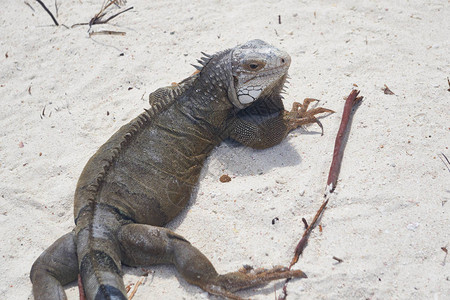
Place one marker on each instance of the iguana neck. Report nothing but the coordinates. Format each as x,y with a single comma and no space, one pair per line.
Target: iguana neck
208,98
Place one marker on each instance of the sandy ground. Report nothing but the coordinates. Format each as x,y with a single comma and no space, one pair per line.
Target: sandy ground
63,93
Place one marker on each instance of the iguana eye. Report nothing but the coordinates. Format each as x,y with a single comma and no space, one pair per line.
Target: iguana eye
254,65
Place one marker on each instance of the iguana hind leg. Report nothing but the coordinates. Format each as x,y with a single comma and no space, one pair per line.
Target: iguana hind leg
55,267
146,245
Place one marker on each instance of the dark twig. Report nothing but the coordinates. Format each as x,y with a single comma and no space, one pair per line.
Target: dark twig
29,5
113,16
305,223
56,8
341,139
49,12
446,161
97,19
337,259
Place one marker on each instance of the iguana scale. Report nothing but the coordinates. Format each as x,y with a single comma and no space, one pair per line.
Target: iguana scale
143,176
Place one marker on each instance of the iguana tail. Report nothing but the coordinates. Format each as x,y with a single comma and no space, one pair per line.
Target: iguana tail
98,252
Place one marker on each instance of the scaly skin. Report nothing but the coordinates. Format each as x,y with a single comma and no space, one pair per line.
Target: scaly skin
143,176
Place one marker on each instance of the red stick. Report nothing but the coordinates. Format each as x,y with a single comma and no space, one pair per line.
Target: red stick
80,288
339,144
333,175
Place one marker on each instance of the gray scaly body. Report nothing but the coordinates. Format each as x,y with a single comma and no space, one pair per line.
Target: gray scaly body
143,176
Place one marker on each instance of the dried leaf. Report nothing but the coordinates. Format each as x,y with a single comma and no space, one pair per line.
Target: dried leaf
225,178
387,90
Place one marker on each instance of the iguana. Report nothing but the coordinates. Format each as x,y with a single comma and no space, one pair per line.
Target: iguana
143,176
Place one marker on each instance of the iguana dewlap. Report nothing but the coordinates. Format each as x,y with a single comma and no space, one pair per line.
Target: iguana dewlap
143,176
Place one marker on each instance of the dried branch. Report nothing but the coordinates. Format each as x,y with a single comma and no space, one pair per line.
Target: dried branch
446,161
49,12
107,32
97,19
136,286
56,8
304,240
341,139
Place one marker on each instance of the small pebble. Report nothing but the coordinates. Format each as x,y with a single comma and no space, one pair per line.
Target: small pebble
413,226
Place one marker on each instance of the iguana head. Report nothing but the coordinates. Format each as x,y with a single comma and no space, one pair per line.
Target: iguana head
258,70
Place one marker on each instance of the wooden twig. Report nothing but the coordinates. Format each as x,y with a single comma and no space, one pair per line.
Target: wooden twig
136,286
446,161
113,16
340,142
29,5
56,8
337,259
304,240
49,12
107,32
97,19
339,146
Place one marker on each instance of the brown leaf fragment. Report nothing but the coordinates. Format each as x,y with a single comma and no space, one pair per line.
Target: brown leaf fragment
387,90
448,81
444,249
6,56
225,178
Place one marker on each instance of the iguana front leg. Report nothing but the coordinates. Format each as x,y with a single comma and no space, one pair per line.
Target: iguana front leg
260,128
147,245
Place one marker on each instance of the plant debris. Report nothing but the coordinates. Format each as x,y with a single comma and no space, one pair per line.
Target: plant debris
445,160
48,11
351,101
107,32
446,253
98,18
337,259
387,90
225,178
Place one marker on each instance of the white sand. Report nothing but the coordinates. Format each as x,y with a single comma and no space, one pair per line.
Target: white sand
390,214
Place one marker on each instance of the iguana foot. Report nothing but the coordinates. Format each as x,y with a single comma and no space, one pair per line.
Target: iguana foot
300,115
225,285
